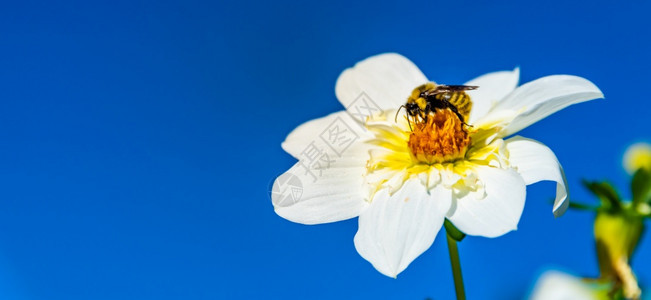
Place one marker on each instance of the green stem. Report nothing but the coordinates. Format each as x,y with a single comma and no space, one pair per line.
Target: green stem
456,268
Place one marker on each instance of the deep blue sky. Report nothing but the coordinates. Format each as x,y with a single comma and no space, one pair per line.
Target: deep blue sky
139,141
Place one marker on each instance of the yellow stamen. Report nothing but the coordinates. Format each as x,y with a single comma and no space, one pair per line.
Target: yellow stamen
440,138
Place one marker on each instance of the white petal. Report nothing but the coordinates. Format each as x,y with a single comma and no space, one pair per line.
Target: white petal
378,83
332,132
535,162
540,98
396,229
554,285
496,214
492,88
315,192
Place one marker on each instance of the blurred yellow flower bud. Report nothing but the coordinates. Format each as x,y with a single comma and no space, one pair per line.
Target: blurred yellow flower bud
637,156
617,235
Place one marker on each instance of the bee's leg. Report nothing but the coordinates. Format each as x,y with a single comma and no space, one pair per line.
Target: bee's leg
456,111
462,120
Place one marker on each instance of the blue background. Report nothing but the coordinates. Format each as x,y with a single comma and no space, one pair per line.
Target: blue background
140,139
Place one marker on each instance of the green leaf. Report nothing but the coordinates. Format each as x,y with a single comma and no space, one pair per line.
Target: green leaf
581,206
610,200
641,186
453,232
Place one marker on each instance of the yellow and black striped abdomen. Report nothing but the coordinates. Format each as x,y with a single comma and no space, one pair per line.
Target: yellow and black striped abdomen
460,100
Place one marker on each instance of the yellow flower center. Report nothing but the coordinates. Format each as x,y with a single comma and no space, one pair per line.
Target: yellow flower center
441,137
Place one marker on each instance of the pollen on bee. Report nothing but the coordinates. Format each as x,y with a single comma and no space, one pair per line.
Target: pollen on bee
441,137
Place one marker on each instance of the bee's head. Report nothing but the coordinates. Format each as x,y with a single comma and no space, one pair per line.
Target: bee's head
412,109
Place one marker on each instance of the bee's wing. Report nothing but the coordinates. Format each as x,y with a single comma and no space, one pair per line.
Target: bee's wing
455,88
450,89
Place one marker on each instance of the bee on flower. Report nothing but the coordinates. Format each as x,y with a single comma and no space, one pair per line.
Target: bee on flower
403,172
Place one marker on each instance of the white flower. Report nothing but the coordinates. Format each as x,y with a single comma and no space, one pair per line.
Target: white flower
403,179
555,285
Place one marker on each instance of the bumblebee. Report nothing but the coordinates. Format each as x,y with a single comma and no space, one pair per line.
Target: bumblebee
431,97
